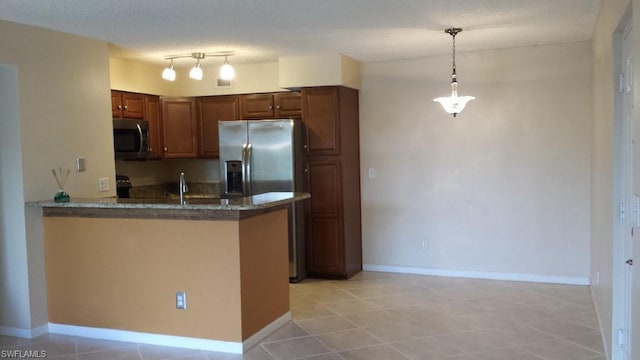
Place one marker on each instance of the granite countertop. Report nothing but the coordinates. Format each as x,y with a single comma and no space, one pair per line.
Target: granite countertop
170,208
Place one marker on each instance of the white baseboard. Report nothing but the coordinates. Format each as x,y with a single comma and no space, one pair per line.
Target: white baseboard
169,340
24,333
479,274
260,335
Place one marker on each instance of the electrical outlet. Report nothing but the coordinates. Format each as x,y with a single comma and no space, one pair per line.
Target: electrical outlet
372,173
103,184
425,245
181,300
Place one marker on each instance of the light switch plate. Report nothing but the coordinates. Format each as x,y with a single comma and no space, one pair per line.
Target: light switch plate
81,164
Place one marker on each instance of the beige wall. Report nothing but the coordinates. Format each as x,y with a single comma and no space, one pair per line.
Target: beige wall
501,190
303,71
62,112
292,72
250,78
139,77
146,78
64,108
123,274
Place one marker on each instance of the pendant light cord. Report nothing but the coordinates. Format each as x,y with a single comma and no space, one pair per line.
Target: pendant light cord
454,55
453,32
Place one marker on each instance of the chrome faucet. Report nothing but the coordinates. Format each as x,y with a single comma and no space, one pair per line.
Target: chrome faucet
183,187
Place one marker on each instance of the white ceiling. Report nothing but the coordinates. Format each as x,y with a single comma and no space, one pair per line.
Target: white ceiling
263,30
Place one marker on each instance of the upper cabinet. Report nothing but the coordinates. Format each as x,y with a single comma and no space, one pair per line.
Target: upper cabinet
212,109
288,104
187,127
152,115
179,127
271,106
127,105
321,116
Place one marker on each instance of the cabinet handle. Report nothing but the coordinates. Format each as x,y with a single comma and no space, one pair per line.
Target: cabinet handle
270,107
119,107
278,107
165,149
125,107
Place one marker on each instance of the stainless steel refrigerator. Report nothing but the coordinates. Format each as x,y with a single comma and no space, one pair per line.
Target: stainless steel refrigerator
259,156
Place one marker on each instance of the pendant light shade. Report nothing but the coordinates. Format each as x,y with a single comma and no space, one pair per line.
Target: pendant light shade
226,71
454,104
169,73
196,71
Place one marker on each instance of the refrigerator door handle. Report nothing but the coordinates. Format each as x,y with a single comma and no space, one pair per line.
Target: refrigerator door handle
247,166
244,169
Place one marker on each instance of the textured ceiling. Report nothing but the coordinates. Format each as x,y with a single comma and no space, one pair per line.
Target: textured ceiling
263,30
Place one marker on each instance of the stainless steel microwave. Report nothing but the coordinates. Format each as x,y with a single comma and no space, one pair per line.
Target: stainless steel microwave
131,139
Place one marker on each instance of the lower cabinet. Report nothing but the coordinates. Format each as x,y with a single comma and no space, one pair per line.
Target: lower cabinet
325,238
179,128
334,246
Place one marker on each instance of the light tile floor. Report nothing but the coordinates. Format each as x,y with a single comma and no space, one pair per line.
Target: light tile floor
395,316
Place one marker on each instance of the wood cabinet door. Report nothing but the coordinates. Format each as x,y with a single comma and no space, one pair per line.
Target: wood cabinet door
320,114
152,115
116,104
288,104
127,105
179,127
256,106
325,239
132,105
212,109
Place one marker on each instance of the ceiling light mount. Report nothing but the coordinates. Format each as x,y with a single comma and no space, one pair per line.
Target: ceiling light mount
454,104
226,71
453,31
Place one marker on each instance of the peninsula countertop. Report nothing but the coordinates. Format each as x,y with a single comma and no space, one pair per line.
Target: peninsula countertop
171,208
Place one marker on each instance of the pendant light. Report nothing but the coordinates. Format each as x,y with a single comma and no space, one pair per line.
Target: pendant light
454,104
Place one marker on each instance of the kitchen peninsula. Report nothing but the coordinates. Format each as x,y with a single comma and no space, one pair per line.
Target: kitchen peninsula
114,266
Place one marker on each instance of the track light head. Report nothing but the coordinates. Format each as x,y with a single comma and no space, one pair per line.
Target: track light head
226,71
196,71
169,73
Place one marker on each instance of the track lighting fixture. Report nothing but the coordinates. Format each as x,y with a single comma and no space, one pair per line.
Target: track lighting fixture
226,71
454,104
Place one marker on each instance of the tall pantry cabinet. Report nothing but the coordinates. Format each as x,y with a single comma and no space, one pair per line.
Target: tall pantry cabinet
332,167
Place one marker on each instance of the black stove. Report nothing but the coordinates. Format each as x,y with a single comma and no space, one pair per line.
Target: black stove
123,185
